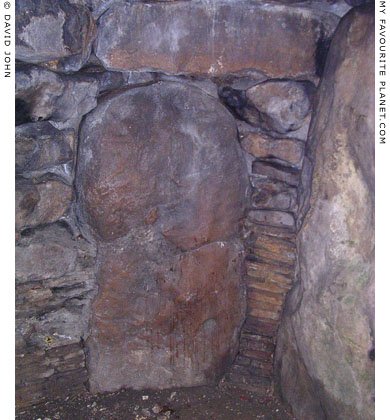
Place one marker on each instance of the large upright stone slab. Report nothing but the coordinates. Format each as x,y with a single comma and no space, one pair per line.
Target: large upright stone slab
161,185
213,37
325,352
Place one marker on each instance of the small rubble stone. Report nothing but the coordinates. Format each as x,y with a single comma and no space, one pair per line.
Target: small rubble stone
40,146
51,96
156,409
172,396
274,218
145,412
39,204
289,175
271,194
290,151
283,105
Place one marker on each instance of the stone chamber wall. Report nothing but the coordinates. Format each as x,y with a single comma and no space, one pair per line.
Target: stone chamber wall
163,174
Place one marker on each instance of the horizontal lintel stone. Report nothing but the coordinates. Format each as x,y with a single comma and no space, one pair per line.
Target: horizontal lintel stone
213,37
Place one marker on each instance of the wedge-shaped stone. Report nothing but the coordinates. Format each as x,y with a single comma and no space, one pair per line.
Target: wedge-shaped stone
213,37
274,245
264,328
257,354
271,248
271,194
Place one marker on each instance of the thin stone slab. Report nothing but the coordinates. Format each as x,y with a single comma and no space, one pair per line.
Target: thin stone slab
213,37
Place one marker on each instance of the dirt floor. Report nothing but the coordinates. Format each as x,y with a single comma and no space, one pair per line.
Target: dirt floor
201,403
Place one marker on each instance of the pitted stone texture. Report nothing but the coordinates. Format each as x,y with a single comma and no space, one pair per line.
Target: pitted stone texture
283,105
323,358
166,155
213,37
163,321
58,34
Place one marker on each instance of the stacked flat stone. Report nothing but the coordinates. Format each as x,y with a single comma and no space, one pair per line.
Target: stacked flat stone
270,228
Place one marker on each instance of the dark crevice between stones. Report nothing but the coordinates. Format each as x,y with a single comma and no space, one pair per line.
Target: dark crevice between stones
237,103
321,53
22,112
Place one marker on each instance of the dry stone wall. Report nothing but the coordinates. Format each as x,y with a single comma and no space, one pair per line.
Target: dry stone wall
159,153
275,164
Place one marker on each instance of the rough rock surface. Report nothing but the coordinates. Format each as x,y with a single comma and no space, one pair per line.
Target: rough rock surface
40,146
162,183
58,34
273,195
283,105
213,37
277,172
324,358
40,203
57,97
55,284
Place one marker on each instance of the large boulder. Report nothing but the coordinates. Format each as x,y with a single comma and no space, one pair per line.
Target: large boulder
55,33
325,351
167,155
161,185
213,38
